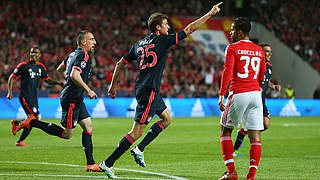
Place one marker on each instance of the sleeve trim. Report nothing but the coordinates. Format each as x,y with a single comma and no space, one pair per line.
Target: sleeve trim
78,68
124,60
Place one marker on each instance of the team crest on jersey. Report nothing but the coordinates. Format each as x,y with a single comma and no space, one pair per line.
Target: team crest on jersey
34,109
83,64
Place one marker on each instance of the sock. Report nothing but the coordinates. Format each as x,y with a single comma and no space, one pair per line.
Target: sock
255,154
18,121
154,131
88,147
24,134
122,147
227,151
239,140
48,128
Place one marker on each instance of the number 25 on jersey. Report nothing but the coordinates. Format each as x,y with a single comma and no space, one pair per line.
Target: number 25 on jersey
147,54
255,65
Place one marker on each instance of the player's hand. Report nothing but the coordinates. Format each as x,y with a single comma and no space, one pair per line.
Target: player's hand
92,95
221,103
9,95
277,87
112,92
215,9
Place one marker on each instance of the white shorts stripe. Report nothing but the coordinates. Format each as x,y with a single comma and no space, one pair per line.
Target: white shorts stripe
223,138
253,166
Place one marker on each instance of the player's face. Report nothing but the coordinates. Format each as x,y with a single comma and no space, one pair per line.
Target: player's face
89,42
164,28
233,33
35,55
267,52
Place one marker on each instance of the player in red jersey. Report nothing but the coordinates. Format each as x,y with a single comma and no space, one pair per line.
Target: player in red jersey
244,68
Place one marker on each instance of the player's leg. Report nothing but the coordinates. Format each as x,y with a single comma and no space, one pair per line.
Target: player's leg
255,152
30,106
165,120
254,124
230,118
69,114
266,117
238,143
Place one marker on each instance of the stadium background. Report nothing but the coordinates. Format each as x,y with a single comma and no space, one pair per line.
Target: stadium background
190,86
193,68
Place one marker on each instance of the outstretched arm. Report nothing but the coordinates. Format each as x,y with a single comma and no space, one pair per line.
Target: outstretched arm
113,89
54,82
274,86
10,85
199,22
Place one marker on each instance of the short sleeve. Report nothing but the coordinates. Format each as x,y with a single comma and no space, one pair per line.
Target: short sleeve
172,39
130,55
80,62
44,73
16,72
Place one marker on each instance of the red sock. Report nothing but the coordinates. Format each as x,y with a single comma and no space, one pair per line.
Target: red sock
227,151
255,154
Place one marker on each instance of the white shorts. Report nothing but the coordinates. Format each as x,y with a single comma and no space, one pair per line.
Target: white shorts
245,108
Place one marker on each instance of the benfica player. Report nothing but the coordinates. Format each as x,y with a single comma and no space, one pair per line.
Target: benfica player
244,68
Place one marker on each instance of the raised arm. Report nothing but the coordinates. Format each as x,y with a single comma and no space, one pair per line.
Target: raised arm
199,22
113,86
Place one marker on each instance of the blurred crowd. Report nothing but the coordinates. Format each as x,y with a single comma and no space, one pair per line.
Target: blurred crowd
189,72
296,23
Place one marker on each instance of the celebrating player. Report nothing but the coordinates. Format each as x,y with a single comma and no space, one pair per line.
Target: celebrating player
31,72
150,52
77,68
265,84
244,67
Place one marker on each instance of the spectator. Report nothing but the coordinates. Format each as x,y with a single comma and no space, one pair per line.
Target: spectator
316,94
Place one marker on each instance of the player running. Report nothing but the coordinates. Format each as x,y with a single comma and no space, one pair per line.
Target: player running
244,67
265,84
77,68
31,72
150,52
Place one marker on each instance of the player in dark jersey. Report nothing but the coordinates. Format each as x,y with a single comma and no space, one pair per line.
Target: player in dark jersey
31,72
265,84
150,52
76,68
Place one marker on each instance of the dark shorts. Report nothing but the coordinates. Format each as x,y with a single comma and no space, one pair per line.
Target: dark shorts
149,104
72,113
266,113
30,105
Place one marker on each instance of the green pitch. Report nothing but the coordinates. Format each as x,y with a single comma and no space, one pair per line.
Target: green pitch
189,148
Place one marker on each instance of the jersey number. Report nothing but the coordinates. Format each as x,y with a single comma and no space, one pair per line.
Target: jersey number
255,64
148,53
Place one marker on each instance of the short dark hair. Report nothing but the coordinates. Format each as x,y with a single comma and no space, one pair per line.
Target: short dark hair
35,47
80,36
242,24
264,45
156,19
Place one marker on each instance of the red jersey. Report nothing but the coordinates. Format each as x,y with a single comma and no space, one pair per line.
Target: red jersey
244,66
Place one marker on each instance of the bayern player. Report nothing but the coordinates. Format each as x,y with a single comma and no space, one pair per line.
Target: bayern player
244,68
150,52
265,84
77,69
31,72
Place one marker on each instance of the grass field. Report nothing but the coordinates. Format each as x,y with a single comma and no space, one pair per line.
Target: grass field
189,148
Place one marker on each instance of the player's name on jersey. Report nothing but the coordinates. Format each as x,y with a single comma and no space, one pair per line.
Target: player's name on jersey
248,52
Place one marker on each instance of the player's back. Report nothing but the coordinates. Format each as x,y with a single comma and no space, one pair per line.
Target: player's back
249,66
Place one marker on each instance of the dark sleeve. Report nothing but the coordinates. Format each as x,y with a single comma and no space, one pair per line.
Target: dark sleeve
17,72
80,62
130,55
44,73
172,39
